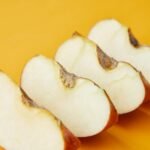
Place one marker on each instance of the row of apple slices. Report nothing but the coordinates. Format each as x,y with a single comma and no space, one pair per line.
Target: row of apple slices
67,88
48,90
26,121
76,98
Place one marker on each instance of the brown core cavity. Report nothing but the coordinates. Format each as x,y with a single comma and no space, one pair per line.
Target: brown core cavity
68,79
132,39
106,61
27,100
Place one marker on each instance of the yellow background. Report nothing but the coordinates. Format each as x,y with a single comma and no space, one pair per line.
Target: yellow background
30,27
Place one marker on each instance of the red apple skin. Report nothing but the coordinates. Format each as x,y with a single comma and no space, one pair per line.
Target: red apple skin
113,115
71,142
147,89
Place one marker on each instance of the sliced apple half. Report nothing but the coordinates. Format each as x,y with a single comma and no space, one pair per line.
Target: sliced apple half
80,104
118,42
26,127
122,83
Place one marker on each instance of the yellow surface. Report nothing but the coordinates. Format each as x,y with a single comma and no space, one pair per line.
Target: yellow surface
30,27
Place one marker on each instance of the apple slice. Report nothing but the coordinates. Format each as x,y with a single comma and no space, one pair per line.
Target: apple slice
26,127
80,104
118,42
122,83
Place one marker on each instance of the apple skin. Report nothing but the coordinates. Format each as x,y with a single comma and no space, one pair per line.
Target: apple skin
147,88
113,117
71,142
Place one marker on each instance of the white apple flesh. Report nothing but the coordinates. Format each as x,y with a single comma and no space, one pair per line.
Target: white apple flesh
26,127
121,81
80,104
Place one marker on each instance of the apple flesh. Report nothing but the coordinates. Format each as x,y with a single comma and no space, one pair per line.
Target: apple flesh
80,104
26,127
118,42
121,81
